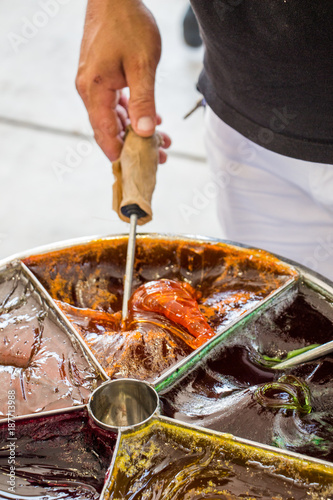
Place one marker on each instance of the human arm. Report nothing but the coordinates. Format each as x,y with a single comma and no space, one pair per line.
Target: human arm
121,47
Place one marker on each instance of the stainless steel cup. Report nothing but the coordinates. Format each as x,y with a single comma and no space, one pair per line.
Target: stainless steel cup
122,404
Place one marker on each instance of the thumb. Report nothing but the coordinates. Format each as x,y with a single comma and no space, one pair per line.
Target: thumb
141,105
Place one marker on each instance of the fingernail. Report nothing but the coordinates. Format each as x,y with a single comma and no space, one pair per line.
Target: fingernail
145,124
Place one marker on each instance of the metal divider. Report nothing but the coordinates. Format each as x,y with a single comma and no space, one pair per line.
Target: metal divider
67,325
181,369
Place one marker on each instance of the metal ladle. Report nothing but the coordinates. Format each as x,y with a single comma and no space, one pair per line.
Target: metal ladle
123,404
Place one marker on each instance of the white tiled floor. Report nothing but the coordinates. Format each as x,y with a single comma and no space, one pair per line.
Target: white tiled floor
38,204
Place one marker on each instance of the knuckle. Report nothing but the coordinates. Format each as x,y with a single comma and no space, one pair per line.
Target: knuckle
142,98
145,66
105,129
110,126
81,85
142,101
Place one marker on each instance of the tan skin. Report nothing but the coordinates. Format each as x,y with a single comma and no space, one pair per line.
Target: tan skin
121,47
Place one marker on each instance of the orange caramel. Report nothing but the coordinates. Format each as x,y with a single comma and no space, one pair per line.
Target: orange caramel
184,291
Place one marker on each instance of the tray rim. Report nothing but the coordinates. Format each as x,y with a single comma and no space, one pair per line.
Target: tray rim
63,244
310,277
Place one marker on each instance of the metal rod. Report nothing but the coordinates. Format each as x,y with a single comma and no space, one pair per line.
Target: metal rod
316,352
128,279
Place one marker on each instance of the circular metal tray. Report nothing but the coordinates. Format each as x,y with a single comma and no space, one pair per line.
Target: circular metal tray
131,454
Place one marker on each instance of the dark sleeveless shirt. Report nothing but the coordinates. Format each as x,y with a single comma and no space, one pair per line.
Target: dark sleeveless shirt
268,72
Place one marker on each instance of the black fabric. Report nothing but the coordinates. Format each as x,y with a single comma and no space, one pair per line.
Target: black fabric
268,72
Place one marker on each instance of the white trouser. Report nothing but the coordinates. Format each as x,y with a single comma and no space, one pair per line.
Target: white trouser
270,201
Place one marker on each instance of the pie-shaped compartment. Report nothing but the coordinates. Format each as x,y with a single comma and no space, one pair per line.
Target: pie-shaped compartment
62,308
64,456
86,281
235,388
41,363
168,460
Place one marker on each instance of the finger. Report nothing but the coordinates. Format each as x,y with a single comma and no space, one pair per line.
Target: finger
141,105
158,119
166,140
122,115
162,156
103,116
123,100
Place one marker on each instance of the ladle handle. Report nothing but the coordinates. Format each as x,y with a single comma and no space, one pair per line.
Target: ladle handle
128,278
316,352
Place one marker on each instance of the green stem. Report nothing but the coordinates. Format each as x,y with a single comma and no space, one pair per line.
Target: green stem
289,393
291,354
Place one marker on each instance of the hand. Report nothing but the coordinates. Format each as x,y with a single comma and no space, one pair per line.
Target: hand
121,47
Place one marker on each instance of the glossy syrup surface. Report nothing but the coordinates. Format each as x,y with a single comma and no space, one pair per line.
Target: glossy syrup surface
63,457
87,282
235,389
171,463
38,360
66,457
